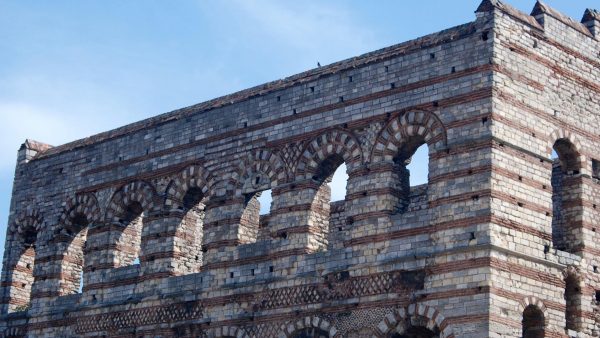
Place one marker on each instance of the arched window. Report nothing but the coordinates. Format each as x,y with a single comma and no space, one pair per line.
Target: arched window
412,167
414,327
75,233
130,236
533,322
572,302
310,332
565,163
194,206
22,278
332,167
255,218
416,332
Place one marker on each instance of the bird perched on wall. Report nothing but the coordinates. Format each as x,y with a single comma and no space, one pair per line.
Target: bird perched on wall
318,64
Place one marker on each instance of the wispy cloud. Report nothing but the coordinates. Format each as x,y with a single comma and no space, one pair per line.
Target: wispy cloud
307,26
21,121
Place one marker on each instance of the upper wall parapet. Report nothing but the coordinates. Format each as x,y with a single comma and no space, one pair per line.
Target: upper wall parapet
542,13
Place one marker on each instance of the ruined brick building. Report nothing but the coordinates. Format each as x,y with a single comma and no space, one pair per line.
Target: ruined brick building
503,240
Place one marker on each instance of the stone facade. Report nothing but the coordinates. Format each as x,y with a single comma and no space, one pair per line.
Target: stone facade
501,242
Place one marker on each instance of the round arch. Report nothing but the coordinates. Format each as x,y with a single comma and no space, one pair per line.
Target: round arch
226,331
334,142
259,170
138,191
431,319
569,149
416,127
308,323
194,176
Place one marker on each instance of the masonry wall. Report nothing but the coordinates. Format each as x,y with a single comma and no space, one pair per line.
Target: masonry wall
463,256
547,94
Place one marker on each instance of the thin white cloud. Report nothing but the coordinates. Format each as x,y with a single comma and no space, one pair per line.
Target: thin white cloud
22,121
316,29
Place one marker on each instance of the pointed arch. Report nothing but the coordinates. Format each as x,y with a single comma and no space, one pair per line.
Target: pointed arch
332,143
405,133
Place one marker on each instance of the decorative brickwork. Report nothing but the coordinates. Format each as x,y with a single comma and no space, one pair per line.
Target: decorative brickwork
154,229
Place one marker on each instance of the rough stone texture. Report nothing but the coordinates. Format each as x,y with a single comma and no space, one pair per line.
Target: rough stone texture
501,242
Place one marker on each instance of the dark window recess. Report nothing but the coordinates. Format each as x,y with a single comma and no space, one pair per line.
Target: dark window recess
485,36
597,295
596,169
432,56
312,89
350,79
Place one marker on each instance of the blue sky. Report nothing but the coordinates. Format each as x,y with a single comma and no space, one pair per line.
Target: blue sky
69,69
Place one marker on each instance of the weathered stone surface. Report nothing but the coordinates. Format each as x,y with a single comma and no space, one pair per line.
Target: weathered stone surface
501,242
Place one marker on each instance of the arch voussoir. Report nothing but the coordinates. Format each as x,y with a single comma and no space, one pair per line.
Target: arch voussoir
193,176
334,142
402,129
